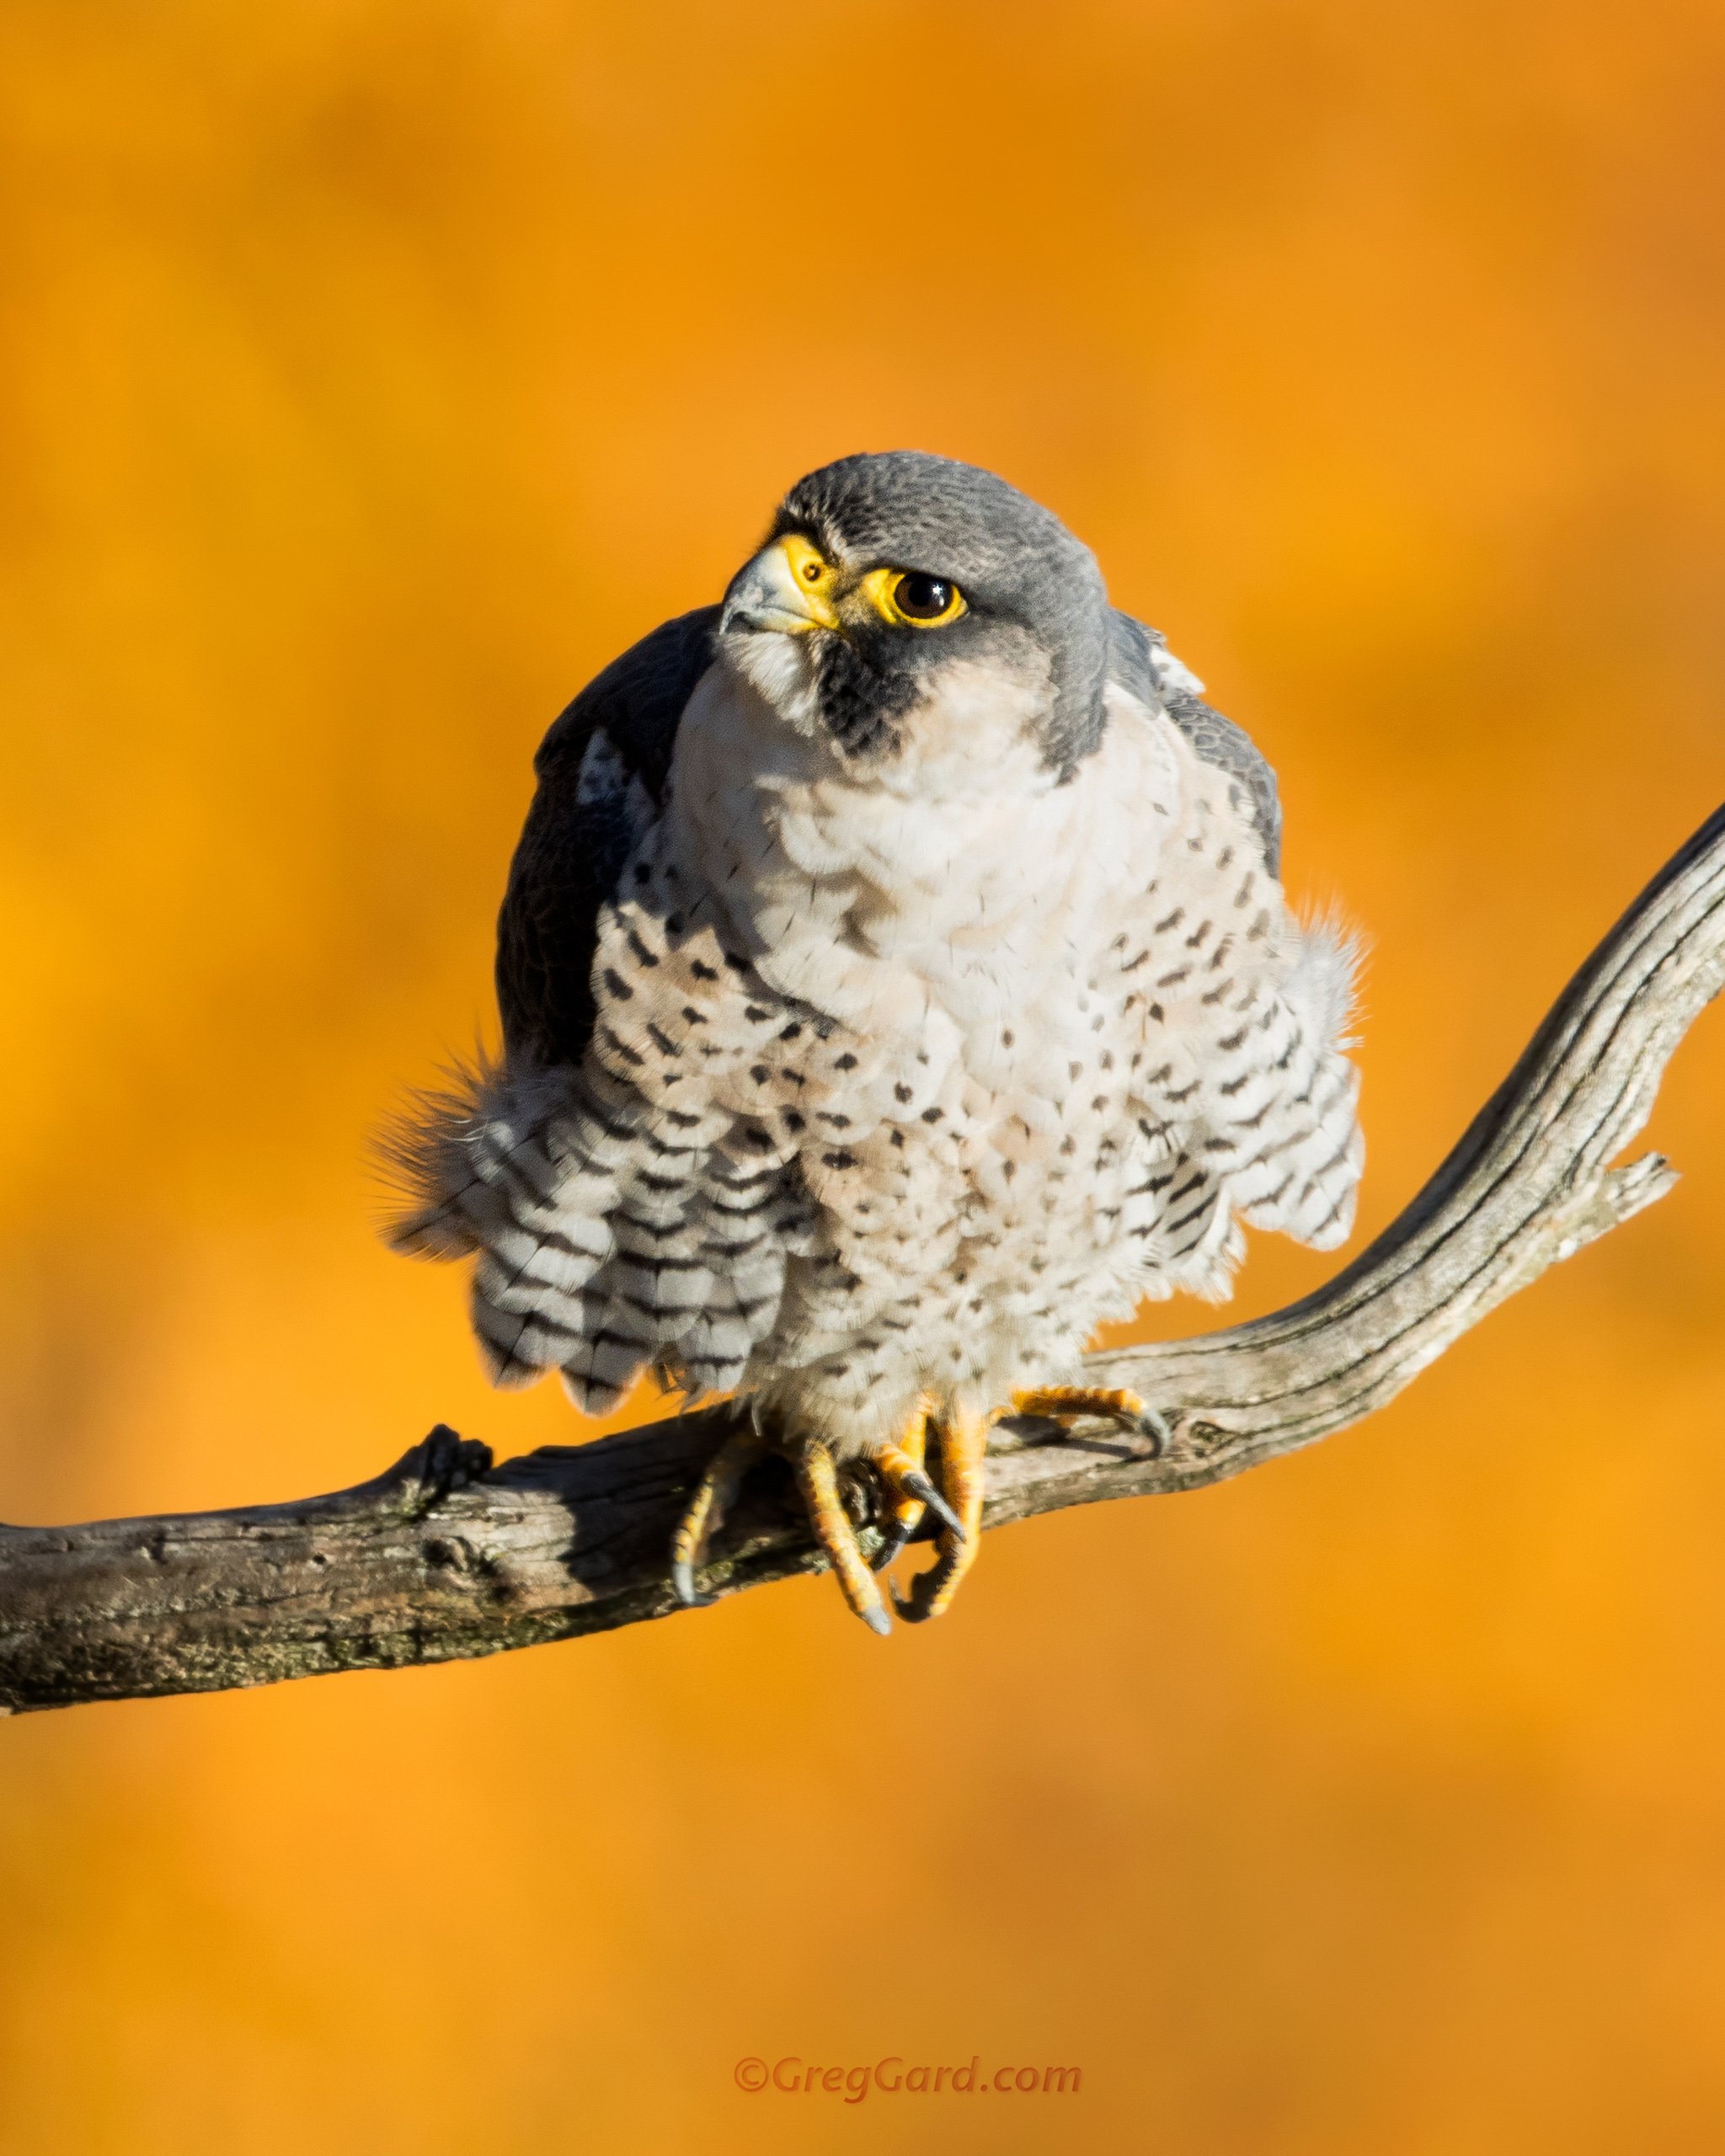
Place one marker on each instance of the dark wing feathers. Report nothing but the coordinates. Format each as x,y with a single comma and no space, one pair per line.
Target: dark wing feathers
1215,740
566,864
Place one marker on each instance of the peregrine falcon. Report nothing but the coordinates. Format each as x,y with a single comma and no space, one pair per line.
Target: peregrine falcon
896,985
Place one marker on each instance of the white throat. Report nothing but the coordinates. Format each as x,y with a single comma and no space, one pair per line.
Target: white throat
926,872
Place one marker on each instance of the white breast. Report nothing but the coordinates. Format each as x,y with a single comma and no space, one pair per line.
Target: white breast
907,1076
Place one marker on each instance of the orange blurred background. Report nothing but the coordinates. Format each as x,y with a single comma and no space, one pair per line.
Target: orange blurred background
373,371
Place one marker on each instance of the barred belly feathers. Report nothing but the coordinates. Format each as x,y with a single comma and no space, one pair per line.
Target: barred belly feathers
886,1008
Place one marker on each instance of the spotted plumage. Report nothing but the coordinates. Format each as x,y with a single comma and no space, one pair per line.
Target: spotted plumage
890,995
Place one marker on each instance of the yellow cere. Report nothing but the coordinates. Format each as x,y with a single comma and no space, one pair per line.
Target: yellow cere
813,576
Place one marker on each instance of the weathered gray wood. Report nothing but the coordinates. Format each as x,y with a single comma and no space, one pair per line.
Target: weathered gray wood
444,1556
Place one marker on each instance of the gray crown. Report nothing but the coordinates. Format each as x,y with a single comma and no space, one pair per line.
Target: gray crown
1033,591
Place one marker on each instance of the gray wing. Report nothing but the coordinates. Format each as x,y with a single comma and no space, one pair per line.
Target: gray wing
1215,740
572,844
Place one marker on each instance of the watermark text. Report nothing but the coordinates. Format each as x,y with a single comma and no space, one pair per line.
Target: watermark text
893,2077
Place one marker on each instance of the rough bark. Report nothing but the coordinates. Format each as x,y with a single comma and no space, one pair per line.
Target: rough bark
446,1556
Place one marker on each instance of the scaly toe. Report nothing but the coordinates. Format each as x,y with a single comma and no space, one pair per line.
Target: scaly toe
818,1480
714,1495
963,1436
926,1598
1067,1403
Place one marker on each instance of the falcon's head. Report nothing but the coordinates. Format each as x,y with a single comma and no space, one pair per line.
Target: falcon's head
893,585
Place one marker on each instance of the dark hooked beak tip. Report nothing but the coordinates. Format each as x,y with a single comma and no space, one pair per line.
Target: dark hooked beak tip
739,619
752,615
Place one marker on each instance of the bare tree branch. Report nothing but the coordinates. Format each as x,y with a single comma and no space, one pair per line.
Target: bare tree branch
444,1556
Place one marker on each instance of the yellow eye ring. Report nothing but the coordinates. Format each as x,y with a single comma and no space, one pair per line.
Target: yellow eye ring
913,598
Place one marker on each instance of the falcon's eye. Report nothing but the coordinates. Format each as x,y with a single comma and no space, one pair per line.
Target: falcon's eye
923,598
927,599
913,598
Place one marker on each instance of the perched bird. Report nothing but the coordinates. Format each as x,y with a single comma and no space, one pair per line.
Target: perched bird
896,985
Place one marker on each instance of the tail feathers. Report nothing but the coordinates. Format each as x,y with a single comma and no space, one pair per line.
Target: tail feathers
540,1173
467,1162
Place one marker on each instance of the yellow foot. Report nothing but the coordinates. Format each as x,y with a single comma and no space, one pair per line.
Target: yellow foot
908,1490
962,1439
1067,1403
713,1500
817,1478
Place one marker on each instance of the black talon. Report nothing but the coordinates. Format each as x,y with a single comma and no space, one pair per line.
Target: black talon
1155,1426
893,1546
682,1579
918,1486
